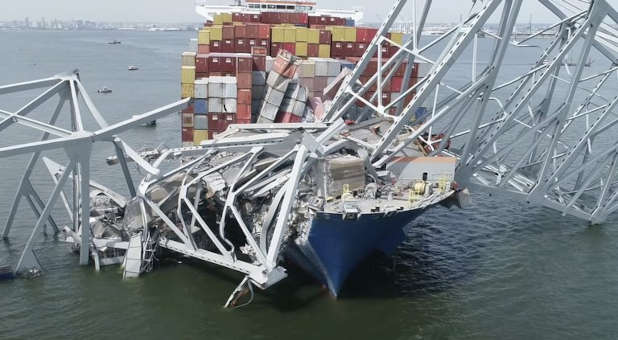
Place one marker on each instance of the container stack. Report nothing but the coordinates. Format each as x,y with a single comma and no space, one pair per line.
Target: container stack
283,70
272,67
293,105
317,73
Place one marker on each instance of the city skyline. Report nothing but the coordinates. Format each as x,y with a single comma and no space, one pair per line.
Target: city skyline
182,11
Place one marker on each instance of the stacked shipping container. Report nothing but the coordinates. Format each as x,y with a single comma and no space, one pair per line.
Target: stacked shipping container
229,79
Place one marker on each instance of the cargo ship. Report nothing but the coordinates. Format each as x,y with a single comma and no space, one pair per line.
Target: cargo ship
263,62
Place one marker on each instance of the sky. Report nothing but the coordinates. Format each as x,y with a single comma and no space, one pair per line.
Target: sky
182,10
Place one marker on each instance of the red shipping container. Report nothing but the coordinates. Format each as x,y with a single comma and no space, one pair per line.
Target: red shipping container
350,49
187,134
213,120
337,49
320,82
392,50
244,64
227,46
360,49
263,31
244,96
266,18
215,46
202,74
237,17
280,65
201,63
240,31
274,49
290,47
259,63
259,50
222,64
251,31
313,50
314,20
215,64
396,83
243,111
365,34
325,37
228,32
401,70
243,121
203,49
287,117
264,43
241,46
229,64
254,17
244,80
300,19
386,98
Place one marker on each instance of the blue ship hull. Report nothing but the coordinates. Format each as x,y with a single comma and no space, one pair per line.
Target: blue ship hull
334,246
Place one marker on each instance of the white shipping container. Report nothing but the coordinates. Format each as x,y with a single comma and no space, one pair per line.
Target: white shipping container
229,105
301,94
269,63
277,81
229,87
274,97
201,88
333,68
307,69
269,111
264,120
216,87
200,122
215,105
321,67
299,108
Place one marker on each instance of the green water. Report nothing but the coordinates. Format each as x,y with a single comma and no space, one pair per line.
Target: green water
497,270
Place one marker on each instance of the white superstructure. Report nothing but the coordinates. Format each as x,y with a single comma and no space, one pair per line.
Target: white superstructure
257,6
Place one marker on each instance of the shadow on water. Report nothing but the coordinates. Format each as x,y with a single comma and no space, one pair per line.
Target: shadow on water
429,261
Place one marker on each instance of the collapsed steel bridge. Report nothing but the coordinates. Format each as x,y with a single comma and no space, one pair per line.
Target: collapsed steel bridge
559,112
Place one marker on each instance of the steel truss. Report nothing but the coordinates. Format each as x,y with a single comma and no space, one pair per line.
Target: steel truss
564,123
77,143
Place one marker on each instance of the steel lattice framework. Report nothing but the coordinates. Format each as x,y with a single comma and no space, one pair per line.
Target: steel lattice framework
77,144
565,122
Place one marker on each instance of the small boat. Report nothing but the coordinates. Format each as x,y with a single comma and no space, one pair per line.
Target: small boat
114,42
133,68
104,90
6,273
